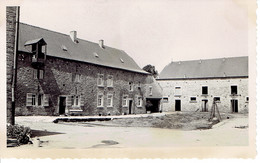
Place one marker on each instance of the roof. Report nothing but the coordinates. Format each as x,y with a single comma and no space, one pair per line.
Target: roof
30,42
209,68
84,51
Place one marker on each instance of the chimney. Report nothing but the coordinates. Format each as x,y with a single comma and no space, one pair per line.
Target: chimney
101,43
73,36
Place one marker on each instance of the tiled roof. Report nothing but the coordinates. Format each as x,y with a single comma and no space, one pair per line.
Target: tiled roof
210,68
83,51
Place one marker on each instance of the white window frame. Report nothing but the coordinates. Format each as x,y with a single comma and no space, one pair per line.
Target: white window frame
77,78
139,101
217,97
100,80
150,90
35,99
179,92
247,101
110,97
231,89
110,81
41,74
193,101
125,98
102,100
202,89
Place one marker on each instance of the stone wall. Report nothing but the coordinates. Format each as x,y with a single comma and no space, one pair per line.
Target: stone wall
10,43
216,88
58,74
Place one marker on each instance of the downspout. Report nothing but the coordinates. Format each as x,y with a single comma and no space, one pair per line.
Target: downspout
15,64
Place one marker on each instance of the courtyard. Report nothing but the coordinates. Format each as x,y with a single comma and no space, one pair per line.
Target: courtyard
231,131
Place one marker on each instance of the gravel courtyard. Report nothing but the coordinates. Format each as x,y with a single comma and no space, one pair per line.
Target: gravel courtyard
229,132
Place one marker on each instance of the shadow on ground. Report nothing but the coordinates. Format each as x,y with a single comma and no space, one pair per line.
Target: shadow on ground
105,144
39,133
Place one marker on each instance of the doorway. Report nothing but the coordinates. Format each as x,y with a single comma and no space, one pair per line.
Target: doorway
62,105
177,105
153,105
130,106
204,105
234,105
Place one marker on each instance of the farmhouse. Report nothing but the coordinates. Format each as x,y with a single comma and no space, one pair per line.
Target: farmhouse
194,85
59,74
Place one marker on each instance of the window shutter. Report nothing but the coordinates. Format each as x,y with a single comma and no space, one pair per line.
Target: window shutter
41,74
81,101
35,74
29,99
46,99
68,101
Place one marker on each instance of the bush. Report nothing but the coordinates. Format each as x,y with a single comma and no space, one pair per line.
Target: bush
21,133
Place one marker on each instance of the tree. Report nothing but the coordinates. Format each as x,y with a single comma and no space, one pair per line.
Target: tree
151,69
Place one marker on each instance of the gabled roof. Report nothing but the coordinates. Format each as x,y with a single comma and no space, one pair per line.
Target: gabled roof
209,68
30,42
83,51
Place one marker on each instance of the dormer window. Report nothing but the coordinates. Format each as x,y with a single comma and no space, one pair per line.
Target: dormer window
38,48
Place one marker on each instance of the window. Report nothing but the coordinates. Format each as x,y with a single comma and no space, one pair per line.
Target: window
165,99
100,100
110,100
110,81
100,81
247,99
139,101
34,99
217,99
177,91
131,86
150,90
204,90
193,99
38,74
77,78
233,89
75,100
139,85
124,101
40,96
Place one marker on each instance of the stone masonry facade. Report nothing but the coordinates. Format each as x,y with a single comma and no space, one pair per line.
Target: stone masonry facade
59,80
191,98
10,43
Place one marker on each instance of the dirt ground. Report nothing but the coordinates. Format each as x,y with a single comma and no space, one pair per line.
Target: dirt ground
111,134
178,120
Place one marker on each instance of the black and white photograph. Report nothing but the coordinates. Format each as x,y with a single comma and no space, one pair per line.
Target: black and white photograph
165,75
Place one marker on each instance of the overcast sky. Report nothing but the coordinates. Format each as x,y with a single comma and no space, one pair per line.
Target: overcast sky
152,32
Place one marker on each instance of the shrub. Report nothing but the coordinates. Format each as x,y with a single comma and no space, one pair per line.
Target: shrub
21,133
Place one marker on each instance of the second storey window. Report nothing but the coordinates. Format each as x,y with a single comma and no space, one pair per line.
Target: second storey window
100,100
150,90
100,80
38,74
131,88
178,91
76,78
233,89
110,81
204,90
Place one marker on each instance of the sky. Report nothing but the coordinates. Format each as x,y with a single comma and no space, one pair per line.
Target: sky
151,31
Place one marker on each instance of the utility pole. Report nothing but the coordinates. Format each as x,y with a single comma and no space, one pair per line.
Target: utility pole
14,71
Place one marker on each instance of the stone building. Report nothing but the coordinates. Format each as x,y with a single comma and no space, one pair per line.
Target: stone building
61,74
193,85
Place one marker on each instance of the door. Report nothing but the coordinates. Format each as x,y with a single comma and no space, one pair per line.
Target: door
204,105
130,106
177,105
234,105
62,105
